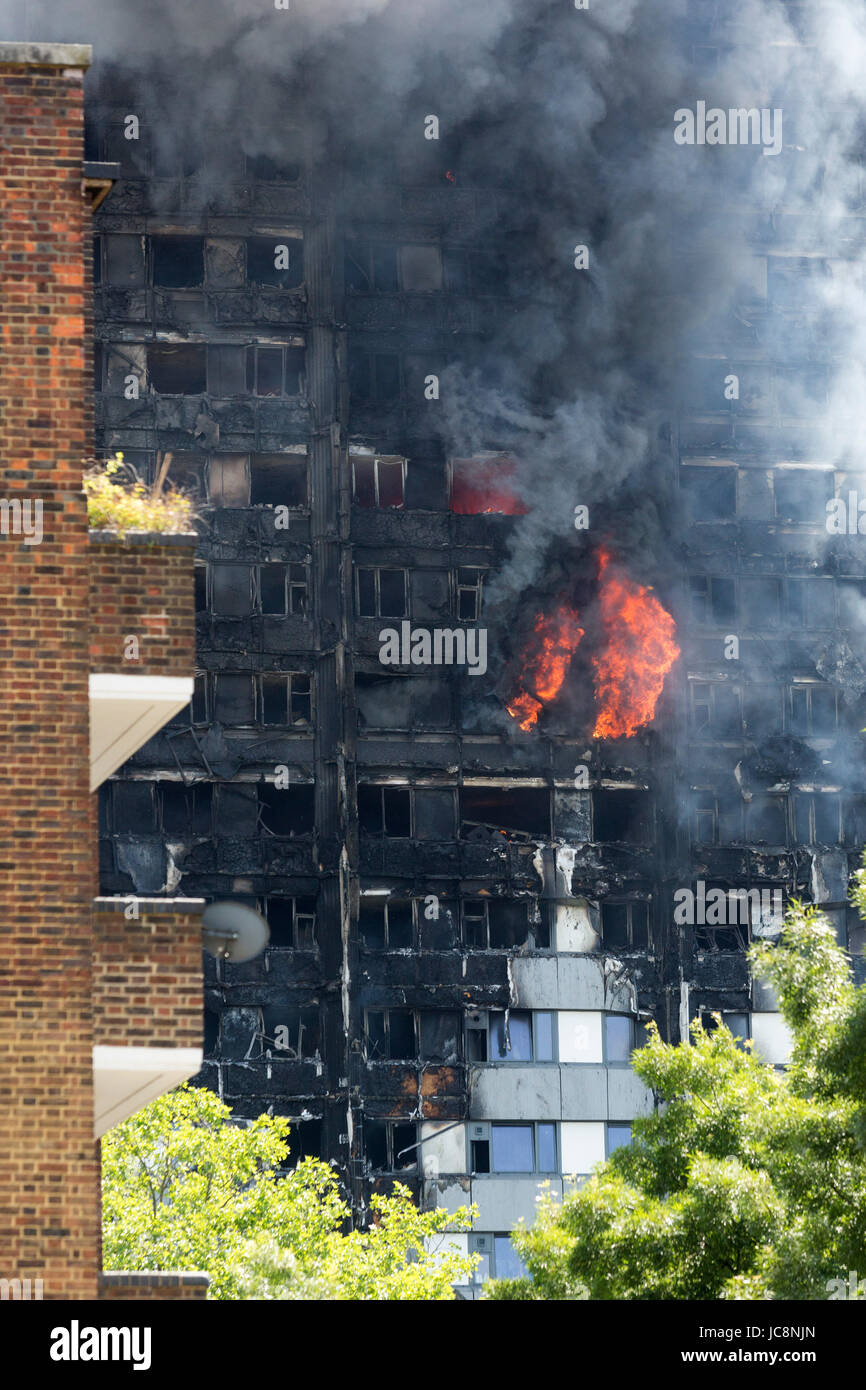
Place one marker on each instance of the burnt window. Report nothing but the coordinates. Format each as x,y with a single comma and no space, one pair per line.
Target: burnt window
231,590
381,593
274,371
97,260
504,812
225,371
713,599
234,698
386,924
282,589
440,1034
292,1031
292,922
733,906
801,494
710,494
811,603
818,818
715,710
498,924
98,365
812,710
211,1040
378,482
716,820
488,272
468,594
200,583
286,811
133,807
177,369
390,1146
420,268
385,811
123,261
186,810
278,480
511,1036
285,698
625,925
273,168
178,261
622,816
766,820
390,1035
455,268
761,601
274,260
374,377
370,266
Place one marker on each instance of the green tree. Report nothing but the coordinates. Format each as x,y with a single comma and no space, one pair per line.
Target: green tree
185,1188
747,1181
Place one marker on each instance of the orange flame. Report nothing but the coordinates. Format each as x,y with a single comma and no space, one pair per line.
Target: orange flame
558,639
639,651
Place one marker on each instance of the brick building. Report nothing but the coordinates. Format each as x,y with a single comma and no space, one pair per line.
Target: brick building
101,1000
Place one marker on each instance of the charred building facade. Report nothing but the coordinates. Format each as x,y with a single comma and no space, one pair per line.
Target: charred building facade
529,678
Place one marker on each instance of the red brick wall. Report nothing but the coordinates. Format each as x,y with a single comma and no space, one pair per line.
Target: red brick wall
148,980
143,591
147,1284
49,1193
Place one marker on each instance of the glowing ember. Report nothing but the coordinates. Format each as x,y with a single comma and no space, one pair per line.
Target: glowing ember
558,637
638,652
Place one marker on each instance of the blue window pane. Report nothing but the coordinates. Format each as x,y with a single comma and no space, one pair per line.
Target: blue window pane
512,1149
544,1037
547,1148
618,1031
508,1263
519,1035
617,1137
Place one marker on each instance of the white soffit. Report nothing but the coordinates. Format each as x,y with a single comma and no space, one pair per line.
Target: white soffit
125,1079
125,711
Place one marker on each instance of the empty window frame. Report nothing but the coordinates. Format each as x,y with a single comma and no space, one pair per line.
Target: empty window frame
278,480
716,819
625,925
733,932
286,811
177,369
713,599
767,820
275,261
716,709
378,482
275,370
515,1035
811,710
177,262
386,924
513,1148
385,811
381,592
390,1035
500,924
504,812
622,815
185,810
285,698
739,1025
292,922
468,594
292,1031
710,493
801,494
818,818
281,590
390,1146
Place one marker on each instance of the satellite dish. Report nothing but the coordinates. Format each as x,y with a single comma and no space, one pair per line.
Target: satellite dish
233,931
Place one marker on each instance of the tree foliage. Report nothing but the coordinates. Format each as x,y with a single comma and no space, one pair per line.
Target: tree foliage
747,1181
185,1188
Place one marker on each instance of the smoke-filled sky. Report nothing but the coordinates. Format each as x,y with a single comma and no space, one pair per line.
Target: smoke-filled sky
572,113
